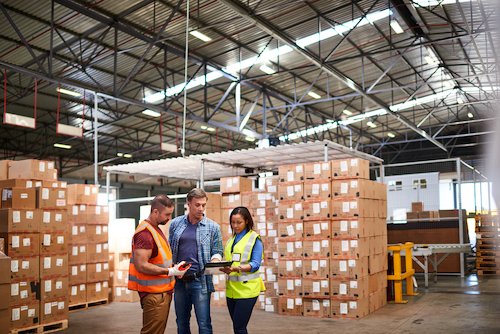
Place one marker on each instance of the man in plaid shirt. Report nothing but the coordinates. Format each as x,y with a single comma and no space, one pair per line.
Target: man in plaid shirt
197,240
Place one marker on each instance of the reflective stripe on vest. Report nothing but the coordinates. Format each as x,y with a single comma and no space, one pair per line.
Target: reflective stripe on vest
243,278
152,283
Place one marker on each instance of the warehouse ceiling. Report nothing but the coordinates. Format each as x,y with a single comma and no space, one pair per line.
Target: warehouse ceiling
401,80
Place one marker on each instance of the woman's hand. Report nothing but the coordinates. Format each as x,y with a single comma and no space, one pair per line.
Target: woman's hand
229,270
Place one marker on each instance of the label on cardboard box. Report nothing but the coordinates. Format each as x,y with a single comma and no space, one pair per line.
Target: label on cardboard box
26,242
45,193
316,287
316,247
342,289
354,243
343,308
61,202
14,289
353,284
324,284
58,285
59,262
298,206
16,217
298,263
354,224
289,176
87,191
353,305
314,265
298,244
48,286
14,266
289,213
98,248
82,229
345,245
342,265
15,241
16,314
317,169
48,308
289,230
46,263
289,247
316,228
345,206
351,263
46,217
46,239
289,284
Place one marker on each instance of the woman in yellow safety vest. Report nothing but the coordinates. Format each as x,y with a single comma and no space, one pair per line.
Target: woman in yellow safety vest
243,281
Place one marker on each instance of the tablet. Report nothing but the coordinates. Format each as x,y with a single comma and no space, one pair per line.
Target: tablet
212,268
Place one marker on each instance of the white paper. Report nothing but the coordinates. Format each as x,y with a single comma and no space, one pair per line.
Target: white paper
298,169
74,251
290,231
97,210
354,243
98,248
322,263
317,169
298,282
343,166
74,230
298,206
16,216
352,263
326,303
316,247
299,226
315,189
98,267
343,188
343,225
14,289
353,305
289,284
298,188
316,208
315,304
46,239
342,289
289,176
353,284
60,239
316,287
276,254
60,305
289,265
15,241
316,229
74,291
26,242
98,287
261,211
324,187
345,206
272,233
289,304
58,285
298,263
47,263
345,245
289,213
324,284
74,270
342,265
298,244
289,191
289,247
354,224
45,193
343,308
324,243
324,204
82,249
16,314
94,190
354,205
48,308
298,301
29,184
314,265
14,266
48,286
87,191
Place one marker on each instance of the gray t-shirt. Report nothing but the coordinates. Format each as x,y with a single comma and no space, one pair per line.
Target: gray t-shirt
188,248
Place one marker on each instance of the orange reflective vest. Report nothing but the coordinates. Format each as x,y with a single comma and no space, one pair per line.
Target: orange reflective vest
152,283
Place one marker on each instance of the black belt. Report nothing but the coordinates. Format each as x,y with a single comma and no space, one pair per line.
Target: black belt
191,277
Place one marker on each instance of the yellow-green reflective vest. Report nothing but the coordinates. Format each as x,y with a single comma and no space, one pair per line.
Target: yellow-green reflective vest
245,284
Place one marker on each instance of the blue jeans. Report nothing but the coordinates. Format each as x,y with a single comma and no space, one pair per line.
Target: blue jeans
188,294
240,311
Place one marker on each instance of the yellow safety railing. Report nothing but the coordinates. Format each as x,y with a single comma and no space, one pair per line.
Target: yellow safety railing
398,277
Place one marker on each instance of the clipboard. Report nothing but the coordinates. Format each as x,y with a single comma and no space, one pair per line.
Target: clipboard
212,268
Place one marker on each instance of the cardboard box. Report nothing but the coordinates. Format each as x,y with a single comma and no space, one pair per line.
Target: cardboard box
21,244
4,297
97,233
353,188
380,226
425,215
4,169
97,291
377,281
351,168
51,198
291,191
24,292
97,272
350,249
258,214
23,268
52,265
77,294
451,213
19,198
271,304
98,214
12,220
226,230
290,211
5,265
226,214
350,288
120,245
32,169
290,268
26,315
231,200
316,268
353,228
288,286
54,220
53,288
18,183
317,209
289,305
77,214
255,199
123,295
77,274
237,184
319,308
214,214
377,263
378,245
97,252
77,233
350,309
271,289
412,215
53,184
260,228
317,189
291,229
291,173
121,261
417,206
316,287
378,299
214,200
120,277
351,269
218,298
53,242
318,171
353,208
77,253
272,185
53,310
290,247
317,248
82,194
272,215
317,229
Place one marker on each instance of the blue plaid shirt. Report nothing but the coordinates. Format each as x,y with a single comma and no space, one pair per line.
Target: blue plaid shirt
208,240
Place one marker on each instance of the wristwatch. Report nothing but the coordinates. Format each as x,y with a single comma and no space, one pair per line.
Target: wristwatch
239,269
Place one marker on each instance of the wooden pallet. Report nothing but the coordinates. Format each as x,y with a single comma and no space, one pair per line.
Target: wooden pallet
42,329
486,272
487,265
487,252
483,228
84,306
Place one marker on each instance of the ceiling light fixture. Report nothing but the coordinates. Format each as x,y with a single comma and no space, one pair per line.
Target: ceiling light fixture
62,146
203,127
201,36
371,124
429,60
347,112
390,134
314,95
68,92
127,155
396,27
459,100
250,138
267,69
151,113
210,129
119,154
470,115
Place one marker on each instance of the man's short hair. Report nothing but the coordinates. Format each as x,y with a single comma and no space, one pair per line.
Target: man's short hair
196,193
161,202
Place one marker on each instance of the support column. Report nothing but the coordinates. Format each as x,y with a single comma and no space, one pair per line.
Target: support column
96,142
460,216
202,175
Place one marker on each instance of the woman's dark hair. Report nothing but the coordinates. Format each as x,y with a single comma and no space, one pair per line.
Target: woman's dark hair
241,210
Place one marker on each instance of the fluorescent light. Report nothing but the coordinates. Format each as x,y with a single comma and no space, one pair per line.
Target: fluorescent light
314,95
201,36
62,146
429,60
119,154
390,134
396,27
371,124
470,115
204,127
330,120
267,69
151,113
347,112
68,92
210,129
127,155
459,100
269,130
250,138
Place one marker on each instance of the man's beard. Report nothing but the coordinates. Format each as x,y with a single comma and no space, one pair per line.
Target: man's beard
163,223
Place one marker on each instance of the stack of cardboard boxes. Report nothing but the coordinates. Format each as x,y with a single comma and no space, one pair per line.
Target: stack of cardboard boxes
417,212
89,253
33,224
4,289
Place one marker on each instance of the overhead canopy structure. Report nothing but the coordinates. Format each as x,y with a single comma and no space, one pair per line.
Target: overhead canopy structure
231,163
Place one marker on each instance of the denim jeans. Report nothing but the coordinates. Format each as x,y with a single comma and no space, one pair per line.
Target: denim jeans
188,294
240,311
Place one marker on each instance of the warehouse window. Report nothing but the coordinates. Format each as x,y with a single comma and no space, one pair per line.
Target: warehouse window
395,185
422,183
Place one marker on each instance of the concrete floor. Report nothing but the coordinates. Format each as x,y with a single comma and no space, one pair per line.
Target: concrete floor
453,305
